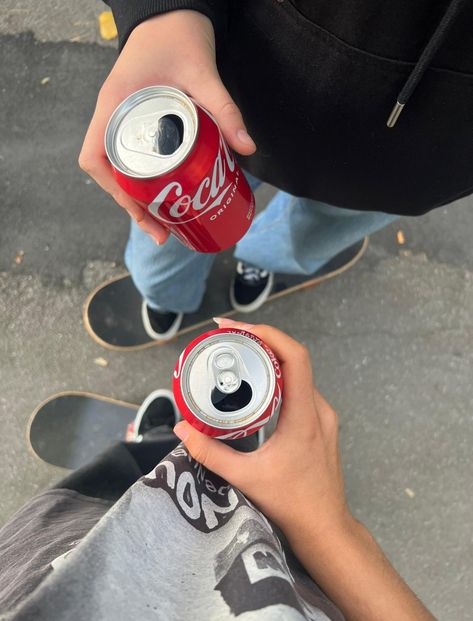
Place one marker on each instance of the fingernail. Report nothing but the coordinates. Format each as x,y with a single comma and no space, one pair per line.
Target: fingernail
182,430
224,322
244,136
220,320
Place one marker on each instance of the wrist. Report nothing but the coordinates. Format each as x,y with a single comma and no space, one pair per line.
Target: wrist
170,20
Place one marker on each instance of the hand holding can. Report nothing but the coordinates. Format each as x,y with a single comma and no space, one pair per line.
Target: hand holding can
295,477
157,52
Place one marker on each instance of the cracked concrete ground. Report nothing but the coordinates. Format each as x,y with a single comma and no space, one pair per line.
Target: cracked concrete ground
392,339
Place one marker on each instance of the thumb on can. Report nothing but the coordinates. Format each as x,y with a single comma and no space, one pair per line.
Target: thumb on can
211,453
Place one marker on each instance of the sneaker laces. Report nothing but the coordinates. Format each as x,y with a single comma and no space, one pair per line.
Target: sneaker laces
250,274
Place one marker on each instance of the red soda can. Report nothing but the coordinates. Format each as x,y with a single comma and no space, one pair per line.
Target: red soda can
228,383
168,152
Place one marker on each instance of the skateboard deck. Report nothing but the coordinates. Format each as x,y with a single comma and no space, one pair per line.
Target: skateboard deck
124,330
70,429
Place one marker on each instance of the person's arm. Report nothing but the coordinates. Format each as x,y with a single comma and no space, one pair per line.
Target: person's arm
176,48
296,480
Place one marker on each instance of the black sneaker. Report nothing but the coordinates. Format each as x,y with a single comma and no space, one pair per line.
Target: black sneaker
160,325
250,288
158,413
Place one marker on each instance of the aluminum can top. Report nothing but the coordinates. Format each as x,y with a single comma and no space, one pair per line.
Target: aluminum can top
151,132
229,364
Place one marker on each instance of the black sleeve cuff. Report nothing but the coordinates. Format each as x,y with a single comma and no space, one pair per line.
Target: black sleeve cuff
129,13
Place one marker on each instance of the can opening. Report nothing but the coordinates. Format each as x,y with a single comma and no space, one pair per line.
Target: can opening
169,135
231,402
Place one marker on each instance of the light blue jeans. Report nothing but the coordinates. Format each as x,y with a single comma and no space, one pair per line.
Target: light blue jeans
292,236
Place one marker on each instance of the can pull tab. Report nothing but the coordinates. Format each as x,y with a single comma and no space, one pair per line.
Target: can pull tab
151,135
226,367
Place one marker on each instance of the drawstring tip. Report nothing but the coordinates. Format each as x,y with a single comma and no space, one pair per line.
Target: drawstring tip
395,113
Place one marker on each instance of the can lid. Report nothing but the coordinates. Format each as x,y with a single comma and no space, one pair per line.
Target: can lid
231,364
151,132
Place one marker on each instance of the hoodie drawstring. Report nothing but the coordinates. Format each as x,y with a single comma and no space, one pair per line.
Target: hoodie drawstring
425,59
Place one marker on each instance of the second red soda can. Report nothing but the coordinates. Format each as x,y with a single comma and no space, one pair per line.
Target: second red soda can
169,153
228,383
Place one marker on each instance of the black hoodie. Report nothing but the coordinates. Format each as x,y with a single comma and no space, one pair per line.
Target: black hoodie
316,82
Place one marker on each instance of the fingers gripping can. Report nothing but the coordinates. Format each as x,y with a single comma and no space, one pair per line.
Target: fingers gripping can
228,383
168,152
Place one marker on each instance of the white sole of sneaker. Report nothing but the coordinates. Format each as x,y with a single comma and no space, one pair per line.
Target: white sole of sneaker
249,308
156,336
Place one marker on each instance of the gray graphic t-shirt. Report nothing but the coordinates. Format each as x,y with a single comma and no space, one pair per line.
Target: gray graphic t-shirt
180,544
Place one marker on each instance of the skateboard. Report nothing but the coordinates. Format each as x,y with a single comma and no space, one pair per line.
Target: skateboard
69,429
124,331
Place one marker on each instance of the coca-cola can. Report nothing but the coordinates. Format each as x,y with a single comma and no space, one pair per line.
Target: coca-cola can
227,383
168,153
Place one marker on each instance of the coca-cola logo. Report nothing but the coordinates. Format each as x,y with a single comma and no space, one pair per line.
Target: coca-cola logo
210,193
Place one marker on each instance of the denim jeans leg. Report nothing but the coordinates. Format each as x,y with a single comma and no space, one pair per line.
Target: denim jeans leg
298,236
170,277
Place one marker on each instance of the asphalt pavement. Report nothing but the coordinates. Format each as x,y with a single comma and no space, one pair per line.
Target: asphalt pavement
392,339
